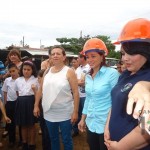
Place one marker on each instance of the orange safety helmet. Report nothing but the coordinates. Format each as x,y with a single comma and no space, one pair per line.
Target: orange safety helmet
135,30
95,44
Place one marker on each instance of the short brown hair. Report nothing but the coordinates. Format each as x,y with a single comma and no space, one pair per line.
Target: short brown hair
60,47
12,52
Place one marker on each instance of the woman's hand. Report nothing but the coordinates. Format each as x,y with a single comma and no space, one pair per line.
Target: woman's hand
8,120
112,145
74,117
106,135
81,82
82,126
36,111
33,87
140,95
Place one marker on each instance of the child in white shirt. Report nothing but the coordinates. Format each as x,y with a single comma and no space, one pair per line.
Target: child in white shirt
25,103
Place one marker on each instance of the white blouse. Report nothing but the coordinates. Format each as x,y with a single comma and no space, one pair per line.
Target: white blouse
24,87
57,99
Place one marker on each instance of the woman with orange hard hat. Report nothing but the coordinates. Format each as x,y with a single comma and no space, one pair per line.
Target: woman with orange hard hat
139,99
98,84
122,131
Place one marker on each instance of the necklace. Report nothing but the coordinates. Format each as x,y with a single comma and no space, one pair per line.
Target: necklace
57,70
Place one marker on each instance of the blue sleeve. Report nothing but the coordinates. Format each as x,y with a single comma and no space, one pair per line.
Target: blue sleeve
86,103
114,76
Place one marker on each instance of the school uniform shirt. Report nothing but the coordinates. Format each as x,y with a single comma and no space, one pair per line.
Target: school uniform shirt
9,87
98,99
24,87
80,72
120,122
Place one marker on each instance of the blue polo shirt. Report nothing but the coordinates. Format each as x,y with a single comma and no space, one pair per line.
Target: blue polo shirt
98,99
120,122
2,71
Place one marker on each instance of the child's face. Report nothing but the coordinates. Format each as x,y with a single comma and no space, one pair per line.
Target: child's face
27,71
14,72
39,79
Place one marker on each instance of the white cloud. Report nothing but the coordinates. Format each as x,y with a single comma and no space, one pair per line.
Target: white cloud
47,20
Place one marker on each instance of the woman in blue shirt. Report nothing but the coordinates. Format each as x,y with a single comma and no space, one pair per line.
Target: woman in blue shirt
122,130
98,85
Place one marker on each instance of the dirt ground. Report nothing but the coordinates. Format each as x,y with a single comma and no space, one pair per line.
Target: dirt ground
79,141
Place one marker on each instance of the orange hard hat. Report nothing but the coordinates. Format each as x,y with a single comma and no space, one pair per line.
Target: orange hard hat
135,30
95,44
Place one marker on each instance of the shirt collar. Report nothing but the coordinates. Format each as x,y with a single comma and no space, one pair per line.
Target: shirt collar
141,71
103,69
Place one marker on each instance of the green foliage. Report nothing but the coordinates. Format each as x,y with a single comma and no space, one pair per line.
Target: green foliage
76,44
62,40
114,54
73,44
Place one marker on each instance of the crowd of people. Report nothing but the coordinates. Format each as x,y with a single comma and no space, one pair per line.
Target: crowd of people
111,105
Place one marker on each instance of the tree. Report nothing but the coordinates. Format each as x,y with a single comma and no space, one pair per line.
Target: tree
73,44
62,40
10,47
76,44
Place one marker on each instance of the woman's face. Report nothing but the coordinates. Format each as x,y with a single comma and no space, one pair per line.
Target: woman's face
94,59
57,56
14,58
133,63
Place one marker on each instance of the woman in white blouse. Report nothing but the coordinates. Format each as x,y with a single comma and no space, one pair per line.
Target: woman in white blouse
60,99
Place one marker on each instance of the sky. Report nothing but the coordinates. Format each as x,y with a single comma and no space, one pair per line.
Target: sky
40,22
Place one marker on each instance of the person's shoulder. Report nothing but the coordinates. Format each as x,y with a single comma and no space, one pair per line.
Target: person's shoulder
87,66
112,71
79,69
70,68
19,79
8,79
70,71
33,77
43,62
19,65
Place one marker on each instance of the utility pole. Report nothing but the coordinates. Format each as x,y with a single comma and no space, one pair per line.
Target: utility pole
81,34
40,44
23,42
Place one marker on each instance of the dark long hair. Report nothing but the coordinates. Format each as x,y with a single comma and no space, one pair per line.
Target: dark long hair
32,65
142,48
